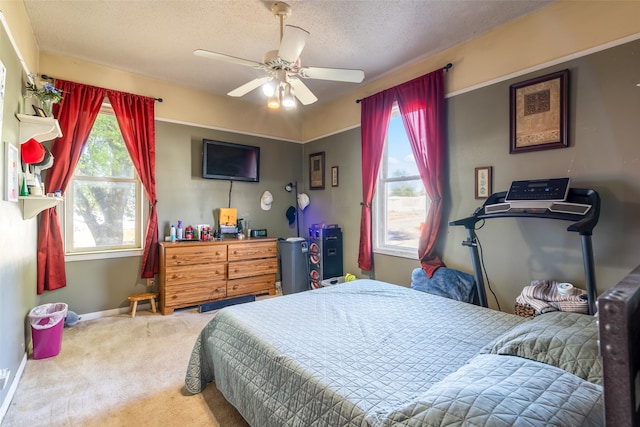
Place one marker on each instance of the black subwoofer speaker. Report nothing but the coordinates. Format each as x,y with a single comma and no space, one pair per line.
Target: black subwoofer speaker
325,254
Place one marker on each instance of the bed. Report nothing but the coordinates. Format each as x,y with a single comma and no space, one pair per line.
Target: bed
369,353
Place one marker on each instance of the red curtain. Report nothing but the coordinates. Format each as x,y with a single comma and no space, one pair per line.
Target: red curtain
375,115
422,107
76,114
135,115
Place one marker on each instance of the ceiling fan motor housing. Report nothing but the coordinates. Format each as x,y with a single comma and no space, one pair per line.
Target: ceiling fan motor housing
281,9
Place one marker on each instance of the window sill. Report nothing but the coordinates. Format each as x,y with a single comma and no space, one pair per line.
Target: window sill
400,253
88,256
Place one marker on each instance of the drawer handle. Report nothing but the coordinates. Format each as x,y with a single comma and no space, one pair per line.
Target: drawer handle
235,287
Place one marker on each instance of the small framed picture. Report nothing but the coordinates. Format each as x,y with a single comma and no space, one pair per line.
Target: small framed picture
11,184
483,182
316,171
334,176
39,111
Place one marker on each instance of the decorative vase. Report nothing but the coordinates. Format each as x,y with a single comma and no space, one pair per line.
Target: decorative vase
47,106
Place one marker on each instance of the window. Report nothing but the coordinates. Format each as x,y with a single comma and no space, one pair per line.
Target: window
401,201
103,202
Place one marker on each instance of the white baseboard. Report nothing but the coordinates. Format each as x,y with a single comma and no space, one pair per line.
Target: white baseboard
12,390
112,312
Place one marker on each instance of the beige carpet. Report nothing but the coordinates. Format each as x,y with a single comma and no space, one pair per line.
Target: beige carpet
118,371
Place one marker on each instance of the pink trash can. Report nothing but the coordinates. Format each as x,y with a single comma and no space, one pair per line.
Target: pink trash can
47,322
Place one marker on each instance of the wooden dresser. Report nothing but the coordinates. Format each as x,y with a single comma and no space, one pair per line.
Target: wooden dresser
193,273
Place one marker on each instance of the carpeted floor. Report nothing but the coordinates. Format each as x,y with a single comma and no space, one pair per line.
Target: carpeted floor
118,371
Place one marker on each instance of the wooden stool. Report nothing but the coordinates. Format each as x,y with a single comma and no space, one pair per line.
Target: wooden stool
151,296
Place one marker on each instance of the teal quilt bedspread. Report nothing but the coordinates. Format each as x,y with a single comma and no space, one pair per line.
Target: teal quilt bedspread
369,353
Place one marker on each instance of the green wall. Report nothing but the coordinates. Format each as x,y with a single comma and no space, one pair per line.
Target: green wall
100,285
18,241
603,154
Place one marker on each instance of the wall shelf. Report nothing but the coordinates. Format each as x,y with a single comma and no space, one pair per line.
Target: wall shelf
40,128
33,205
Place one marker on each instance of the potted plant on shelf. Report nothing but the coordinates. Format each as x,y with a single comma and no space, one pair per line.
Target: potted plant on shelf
47,95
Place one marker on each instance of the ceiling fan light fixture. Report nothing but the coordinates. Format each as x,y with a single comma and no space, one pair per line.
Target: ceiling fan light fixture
288,100
269,88
274,101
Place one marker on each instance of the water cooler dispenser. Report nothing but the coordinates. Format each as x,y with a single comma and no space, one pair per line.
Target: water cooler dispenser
294,265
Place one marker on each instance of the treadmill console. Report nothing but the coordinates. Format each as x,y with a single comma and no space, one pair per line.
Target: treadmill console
549,190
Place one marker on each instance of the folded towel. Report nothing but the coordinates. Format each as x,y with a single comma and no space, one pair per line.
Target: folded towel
543,297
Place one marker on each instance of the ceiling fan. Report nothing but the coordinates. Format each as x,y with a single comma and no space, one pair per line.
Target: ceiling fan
283,67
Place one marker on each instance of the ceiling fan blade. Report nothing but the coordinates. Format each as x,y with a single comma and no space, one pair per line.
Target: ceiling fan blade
248,87
302,92
335,74
227,58
292,43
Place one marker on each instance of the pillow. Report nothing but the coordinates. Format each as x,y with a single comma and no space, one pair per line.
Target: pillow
563,339
492,390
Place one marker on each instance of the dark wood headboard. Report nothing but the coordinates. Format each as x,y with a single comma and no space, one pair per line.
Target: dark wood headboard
619,324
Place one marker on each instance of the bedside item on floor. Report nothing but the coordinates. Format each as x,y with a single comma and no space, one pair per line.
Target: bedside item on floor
565,289
47,321
72,318
147,296
446,282
544,296
216,305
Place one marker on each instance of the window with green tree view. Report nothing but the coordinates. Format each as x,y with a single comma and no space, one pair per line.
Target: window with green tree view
103,202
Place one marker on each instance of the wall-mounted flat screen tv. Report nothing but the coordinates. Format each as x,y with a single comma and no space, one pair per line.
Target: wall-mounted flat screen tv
230,162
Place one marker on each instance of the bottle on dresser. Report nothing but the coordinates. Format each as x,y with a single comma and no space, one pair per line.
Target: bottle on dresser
179,234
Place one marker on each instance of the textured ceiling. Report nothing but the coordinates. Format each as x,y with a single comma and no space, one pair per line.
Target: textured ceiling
156,38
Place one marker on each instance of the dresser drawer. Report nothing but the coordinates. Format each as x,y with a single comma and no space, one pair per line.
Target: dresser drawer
191,255
254,267
178,275
252,285
194,293
251,250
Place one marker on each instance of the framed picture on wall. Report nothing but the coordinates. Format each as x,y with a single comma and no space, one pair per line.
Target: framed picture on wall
316,171
334,176
539,113
11,184
483,182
